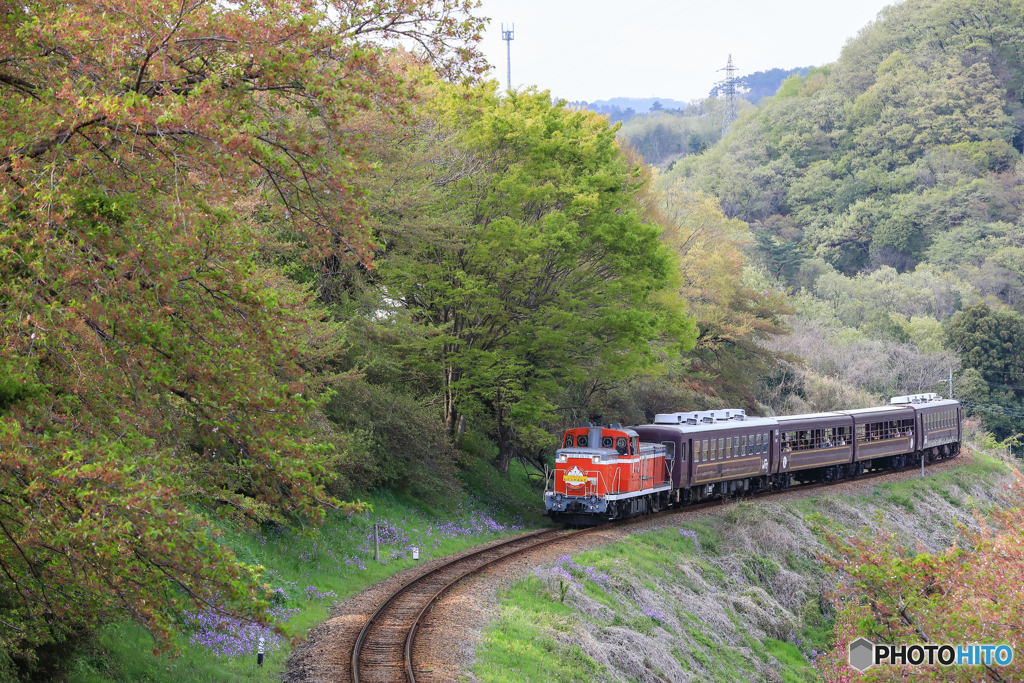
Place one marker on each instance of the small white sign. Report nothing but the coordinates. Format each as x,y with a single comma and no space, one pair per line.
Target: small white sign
415,553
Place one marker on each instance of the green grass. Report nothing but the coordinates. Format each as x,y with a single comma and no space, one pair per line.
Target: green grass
521,647
122,652
794,668
903,494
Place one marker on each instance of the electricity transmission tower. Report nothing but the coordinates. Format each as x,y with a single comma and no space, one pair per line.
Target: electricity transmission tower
508,37
727,88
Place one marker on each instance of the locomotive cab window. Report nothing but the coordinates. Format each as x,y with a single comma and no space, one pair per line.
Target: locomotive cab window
582,441
622,445
568,441
635,443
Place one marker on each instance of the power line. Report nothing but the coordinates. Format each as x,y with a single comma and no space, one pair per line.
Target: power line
1002,411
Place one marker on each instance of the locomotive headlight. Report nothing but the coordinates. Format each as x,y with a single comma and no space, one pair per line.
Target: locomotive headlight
597,459
561,457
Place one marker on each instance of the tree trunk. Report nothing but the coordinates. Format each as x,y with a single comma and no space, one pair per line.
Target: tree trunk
506,443
451,413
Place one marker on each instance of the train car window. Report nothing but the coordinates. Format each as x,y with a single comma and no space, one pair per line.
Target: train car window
727,453
568,441
705,450
582,441
736,447
635,443
860,434
721,448
696,451
757,447
764,443
743,445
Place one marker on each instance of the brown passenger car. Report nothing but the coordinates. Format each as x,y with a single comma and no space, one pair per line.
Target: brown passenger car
818,440
887,431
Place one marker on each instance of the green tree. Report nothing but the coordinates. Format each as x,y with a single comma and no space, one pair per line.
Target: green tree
991,342
547,275
782,258
152,367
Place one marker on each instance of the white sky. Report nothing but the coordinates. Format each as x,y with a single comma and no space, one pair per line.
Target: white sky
597,49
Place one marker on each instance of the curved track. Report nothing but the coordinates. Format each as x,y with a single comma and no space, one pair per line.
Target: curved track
383,650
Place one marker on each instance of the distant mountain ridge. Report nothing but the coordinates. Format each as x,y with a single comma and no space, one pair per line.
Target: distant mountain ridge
760,84
638,104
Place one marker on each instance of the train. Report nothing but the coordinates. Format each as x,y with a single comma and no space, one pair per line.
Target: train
608,472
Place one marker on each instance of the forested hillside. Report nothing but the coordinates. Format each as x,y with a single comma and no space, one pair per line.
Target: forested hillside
255,263
885,192
260,259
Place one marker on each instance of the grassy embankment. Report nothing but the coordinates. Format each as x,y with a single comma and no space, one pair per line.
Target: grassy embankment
733,597
315,572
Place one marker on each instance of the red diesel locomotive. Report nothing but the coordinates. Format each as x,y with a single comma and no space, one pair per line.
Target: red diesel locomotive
606,472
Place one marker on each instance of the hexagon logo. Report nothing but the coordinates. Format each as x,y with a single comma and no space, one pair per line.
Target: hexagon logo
862,654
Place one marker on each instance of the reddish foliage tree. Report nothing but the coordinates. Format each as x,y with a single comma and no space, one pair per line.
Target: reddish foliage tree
971,593
147,361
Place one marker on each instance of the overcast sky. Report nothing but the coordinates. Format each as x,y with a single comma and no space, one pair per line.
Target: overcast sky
597,49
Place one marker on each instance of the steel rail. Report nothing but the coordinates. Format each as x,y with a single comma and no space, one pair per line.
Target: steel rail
357,649
410,638
690,508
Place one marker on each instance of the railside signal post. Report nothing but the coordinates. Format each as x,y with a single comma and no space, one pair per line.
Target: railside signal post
508,36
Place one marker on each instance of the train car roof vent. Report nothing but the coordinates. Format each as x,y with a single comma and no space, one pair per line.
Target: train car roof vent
915,398
739,415
615,425
586,424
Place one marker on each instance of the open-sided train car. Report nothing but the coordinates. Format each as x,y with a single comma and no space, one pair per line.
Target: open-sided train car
817,446
609,472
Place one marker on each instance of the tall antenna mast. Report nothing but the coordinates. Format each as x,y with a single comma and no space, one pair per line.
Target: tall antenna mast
728,89
508,37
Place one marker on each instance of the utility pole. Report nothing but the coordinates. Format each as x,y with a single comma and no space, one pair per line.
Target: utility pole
508,37
728,89
951,382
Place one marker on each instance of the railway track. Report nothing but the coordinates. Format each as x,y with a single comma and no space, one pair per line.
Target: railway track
383,650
